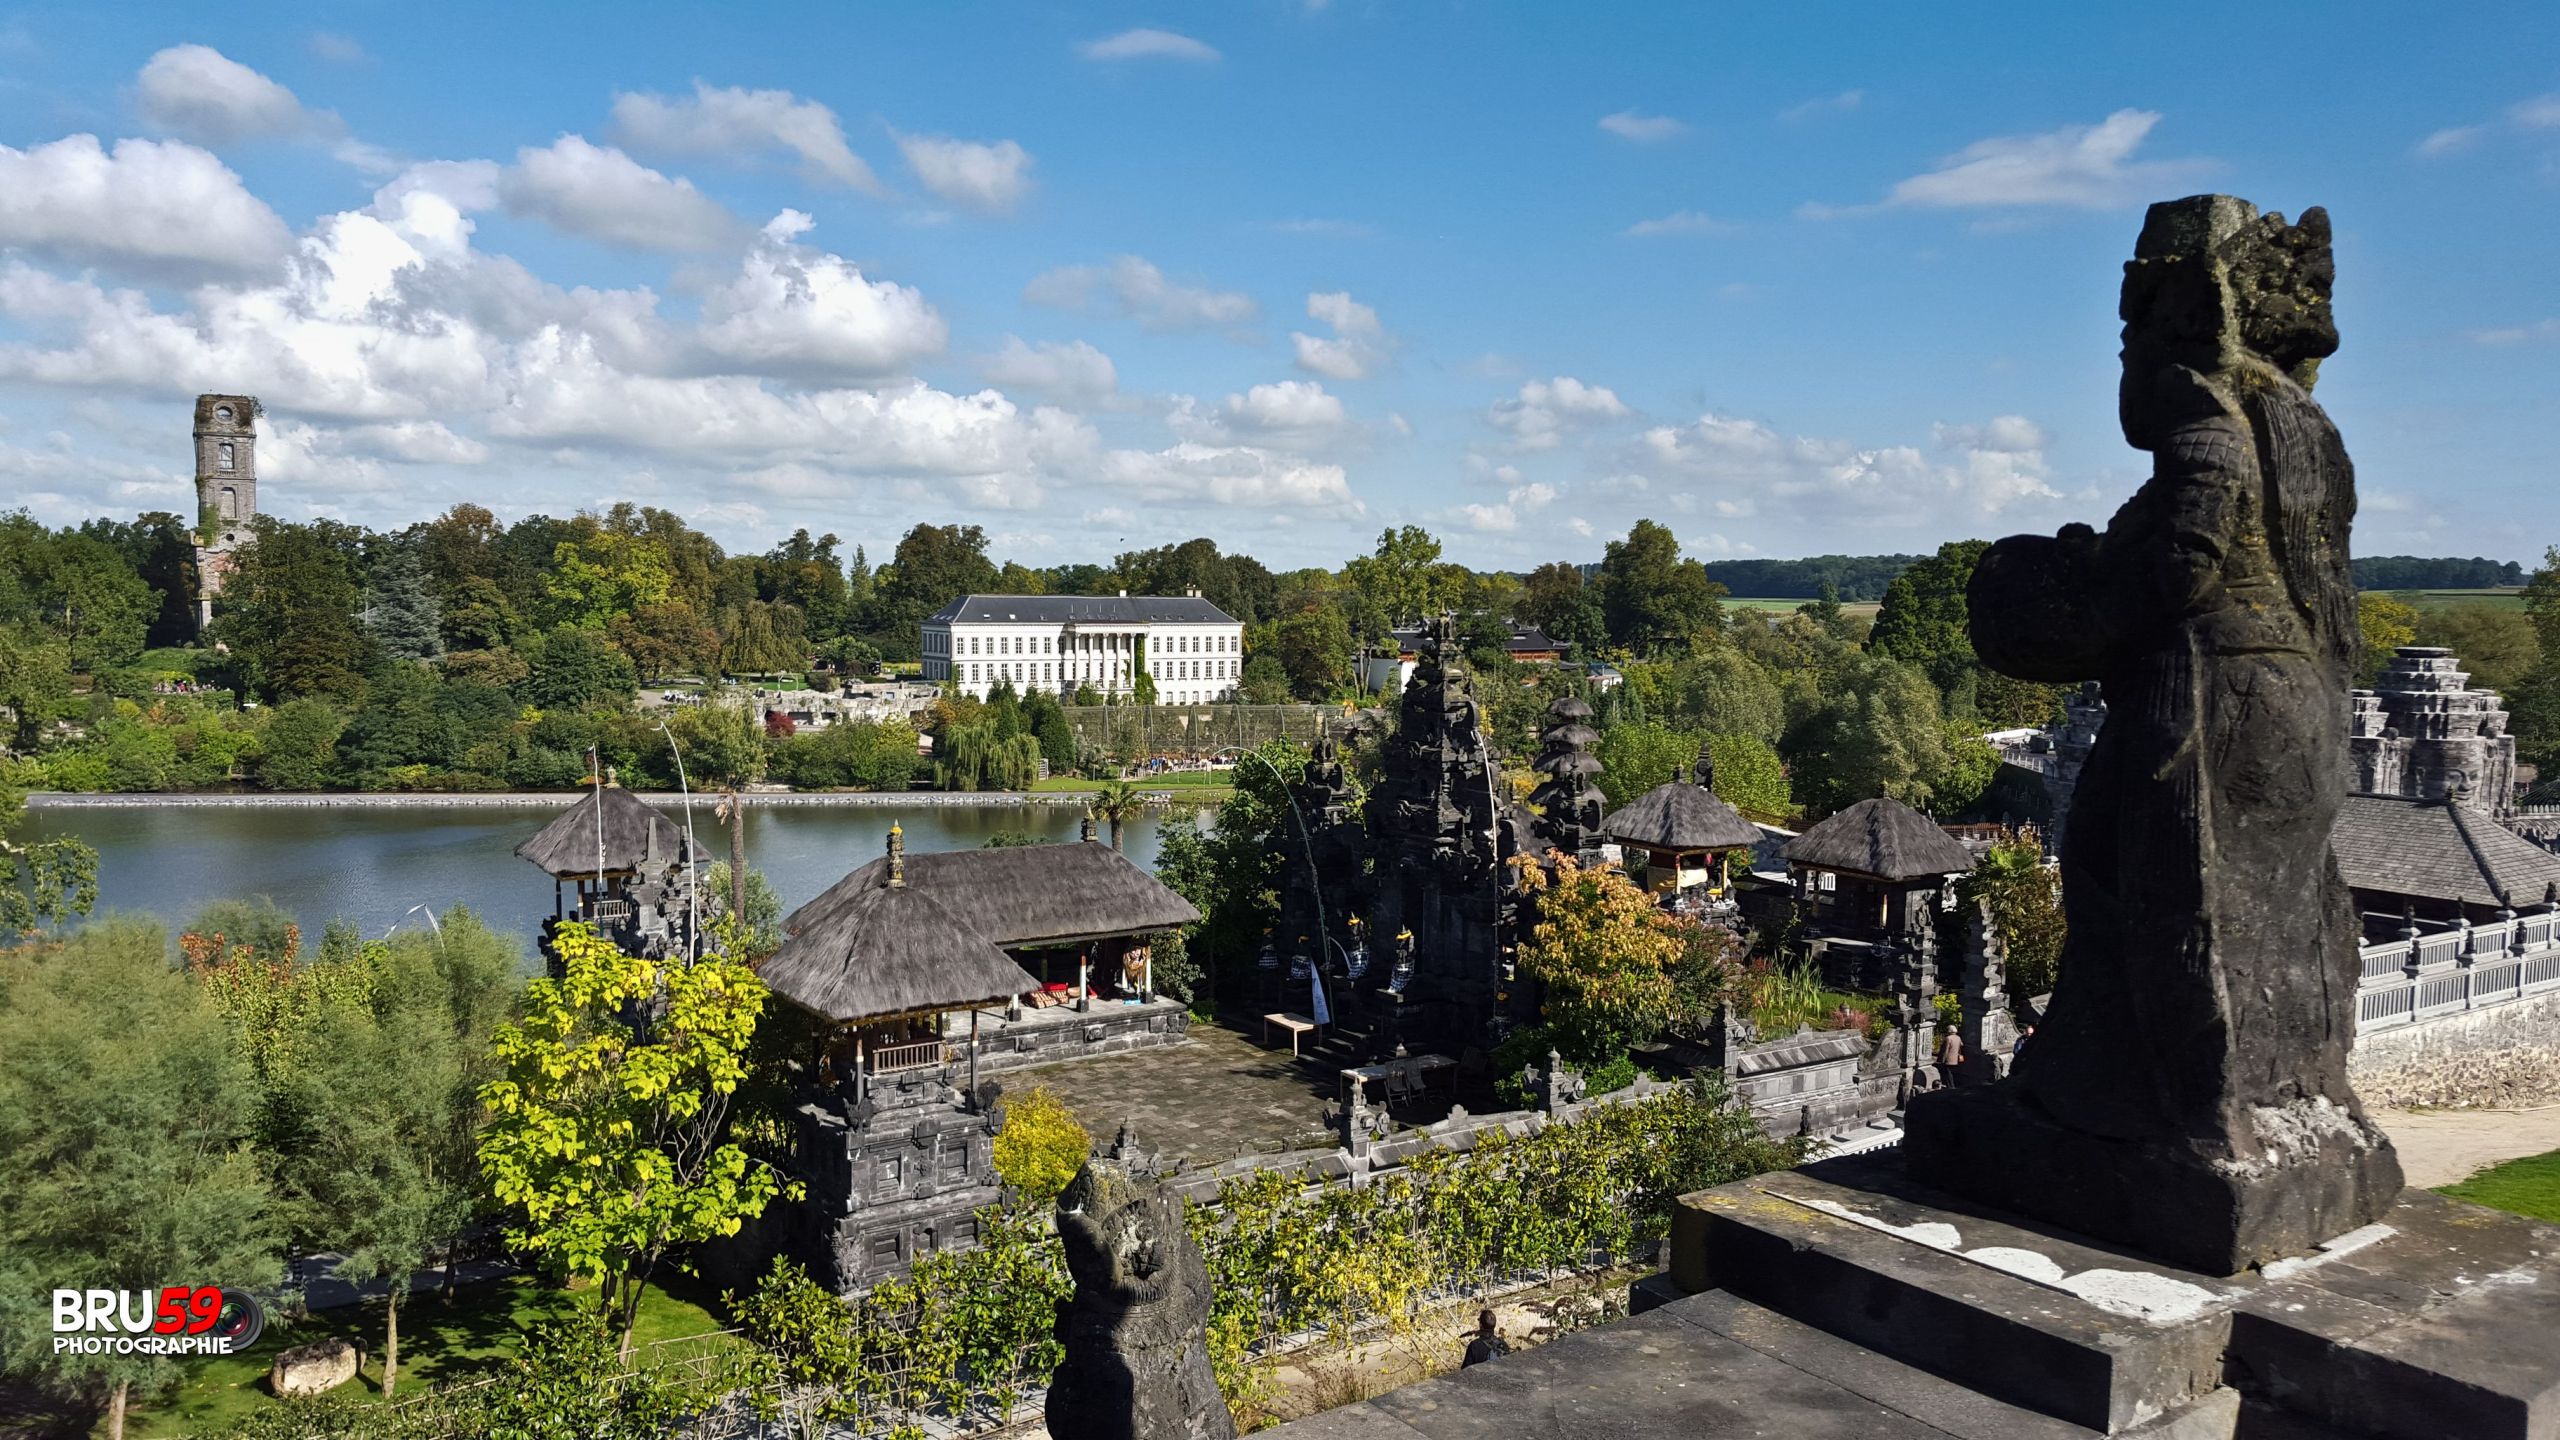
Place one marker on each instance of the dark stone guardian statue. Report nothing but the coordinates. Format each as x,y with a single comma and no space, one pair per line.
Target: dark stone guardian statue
2187,1092
1135,1331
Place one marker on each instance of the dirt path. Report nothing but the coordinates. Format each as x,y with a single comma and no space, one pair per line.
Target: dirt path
2439,1147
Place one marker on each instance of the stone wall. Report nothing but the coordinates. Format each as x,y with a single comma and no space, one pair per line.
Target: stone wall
2508,1056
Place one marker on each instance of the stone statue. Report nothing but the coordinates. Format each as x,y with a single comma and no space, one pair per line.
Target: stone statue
1990,1033
2186,1092
1135,1331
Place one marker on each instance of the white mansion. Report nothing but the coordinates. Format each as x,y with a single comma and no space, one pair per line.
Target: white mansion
1058,643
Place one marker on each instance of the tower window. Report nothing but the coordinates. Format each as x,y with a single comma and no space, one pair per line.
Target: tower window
222,413
230,497
222,455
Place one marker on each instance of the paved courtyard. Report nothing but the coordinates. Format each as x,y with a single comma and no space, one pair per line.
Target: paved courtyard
1217,1095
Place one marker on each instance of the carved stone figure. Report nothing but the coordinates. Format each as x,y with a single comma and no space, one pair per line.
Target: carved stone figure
1135,1331
1569,801
2187,1090
1990,1032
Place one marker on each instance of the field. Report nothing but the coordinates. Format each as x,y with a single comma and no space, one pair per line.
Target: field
2504,597
438,1341
2530,1186
1854,609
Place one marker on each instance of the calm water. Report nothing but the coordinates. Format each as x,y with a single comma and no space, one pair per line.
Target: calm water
373,866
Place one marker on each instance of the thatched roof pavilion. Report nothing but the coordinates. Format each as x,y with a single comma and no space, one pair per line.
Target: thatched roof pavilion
1683,830
1880,839
888,949
609,831
1023,897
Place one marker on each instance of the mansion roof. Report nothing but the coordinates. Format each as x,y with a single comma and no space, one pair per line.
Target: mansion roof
1080,610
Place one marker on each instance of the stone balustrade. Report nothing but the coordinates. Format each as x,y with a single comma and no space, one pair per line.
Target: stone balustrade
2423,977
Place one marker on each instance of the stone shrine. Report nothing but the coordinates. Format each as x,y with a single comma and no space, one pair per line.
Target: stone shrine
2187,1092
2422,733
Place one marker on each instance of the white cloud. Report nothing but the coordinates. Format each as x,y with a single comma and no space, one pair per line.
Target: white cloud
989,178
1146,43
1074,369
1678,222
1538,416
605,195
2452,140
1358,344
2088,167
2518,334
1140,291
197,92
1524,500
735,123
1311,225
422,442
156,206
2542,112
796,312
1643,129
338,49
1978,471
1299,406
1228,475
1840,104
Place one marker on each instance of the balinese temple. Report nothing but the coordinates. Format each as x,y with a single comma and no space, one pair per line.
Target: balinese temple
1568,798
2422,733
2444,861
619,865
893,1146
1679,839
1867,881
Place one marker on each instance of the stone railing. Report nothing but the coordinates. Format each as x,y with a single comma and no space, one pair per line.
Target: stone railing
2472,967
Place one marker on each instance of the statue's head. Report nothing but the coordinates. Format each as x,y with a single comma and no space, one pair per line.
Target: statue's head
2215,288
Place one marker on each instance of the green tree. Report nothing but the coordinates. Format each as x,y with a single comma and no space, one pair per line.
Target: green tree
1116,804
1041,1146
289,611
606,1144
1653,601
299,747
1875,730
1401,581
572,669
934,565
2387,624
1728,692
1313,648
42,882
1556,599
2025,896
1924,619
125,1164
1046,720
400,610
35,683
2496,643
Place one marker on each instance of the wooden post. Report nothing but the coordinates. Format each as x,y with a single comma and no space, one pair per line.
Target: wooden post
973,1057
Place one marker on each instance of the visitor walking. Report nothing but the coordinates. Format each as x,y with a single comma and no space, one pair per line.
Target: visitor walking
1488,1343
2025,1034
1950,1056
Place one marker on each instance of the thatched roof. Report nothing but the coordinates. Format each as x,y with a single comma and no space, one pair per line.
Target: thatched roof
1023,896
1881,837
1678,815
2434,850
635,837
890,950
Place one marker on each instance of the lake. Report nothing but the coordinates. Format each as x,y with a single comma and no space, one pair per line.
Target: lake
375,866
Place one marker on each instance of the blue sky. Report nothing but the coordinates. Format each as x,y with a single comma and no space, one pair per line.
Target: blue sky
1791,279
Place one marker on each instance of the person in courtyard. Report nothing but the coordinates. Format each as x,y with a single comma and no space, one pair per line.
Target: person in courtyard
1950,1056
1488,1343
2025,1034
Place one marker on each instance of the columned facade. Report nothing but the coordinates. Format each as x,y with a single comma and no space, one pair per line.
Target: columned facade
1062,643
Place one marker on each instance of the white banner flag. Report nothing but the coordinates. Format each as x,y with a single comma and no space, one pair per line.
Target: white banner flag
1323,1012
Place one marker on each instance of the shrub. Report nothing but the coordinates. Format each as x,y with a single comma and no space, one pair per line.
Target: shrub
1041,1146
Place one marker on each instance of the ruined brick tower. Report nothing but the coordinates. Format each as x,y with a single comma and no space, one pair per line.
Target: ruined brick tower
226,489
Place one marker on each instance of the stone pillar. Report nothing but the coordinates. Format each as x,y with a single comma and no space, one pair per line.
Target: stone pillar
1990,1033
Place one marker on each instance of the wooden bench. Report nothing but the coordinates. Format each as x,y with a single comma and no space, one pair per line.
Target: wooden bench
1295,1024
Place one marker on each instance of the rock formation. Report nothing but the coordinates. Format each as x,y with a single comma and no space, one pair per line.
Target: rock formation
1135,1331
2187,1092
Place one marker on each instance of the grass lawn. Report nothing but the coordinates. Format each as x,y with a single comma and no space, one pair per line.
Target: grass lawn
2530,1186
484,1324
1855,609
2504,597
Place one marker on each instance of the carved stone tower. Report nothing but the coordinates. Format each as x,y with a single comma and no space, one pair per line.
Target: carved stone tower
226,489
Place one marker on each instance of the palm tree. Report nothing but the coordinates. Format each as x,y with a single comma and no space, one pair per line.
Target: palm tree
1115,805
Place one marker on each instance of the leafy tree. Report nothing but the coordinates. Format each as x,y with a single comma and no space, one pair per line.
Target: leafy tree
475,614
1637,756
973,757
1047,723
761,935
1876,730
668,638
1727,691
2026,905
1401,580
934,565
1556,599
1603,954
605,1143
82,590
124,1155
2497,643
1925,620
2387,624
573,668
1964,773
762,637
850,753
42,882
1041,1146
289,611
299,749
1653,601
1265,681
606,574
35,683
1312,647
1142,680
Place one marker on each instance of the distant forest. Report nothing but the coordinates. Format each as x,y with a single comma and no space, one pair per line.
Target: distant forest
1864,577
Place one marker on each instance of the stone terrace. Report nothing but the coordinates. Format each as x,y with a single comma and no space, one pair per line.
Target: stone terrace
1209,1099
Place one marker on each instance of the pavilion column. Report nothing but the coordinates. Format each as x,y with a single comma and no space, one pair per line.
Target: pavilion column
1084,979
